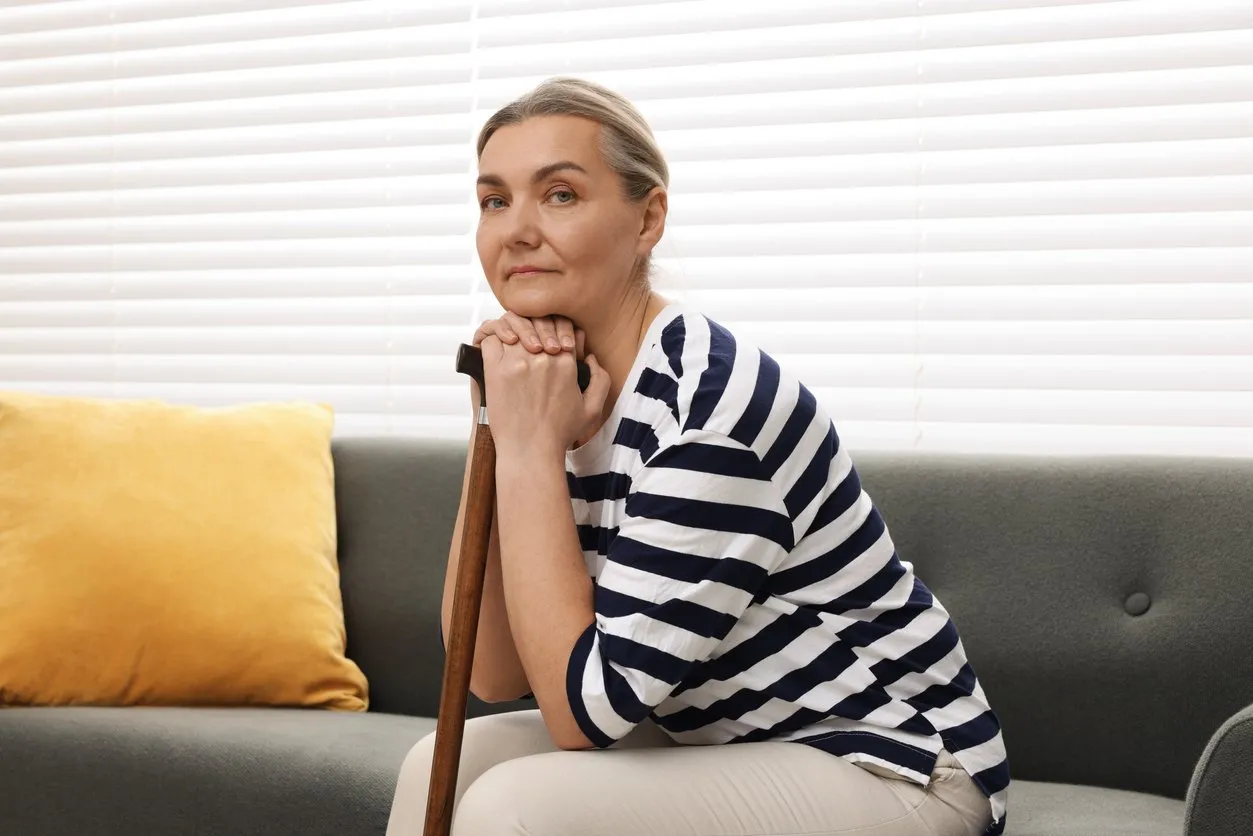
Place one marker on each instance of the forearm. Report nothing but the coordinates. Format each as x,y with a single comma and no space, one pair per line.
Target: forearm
548,593
497,673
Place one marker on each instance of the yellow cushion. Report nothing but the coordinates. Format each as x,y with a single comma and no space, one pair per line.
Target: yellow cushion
157,554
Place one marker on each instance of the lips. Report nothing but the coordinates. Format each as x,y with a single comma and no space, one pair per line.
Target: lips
527,270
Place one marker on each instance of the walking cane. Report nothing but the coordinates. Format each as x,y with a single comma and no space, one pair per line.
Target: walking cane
468,597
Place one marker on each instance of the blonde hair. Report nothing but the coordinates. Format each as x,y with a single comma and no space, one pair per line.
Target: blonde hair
627,142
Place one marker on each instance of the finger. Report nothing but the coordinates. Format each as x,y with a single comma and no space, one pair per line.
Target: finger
548,333
565,332
496,327
597,389
491,349
580,341
525,329
495,355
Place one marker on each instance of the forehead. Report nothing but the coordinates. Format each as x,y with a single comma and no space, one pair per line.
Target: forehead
518,150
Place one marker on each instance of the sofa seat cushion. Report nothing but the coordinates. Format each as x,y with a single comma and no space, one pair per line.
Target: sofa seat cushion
1041,809
68,771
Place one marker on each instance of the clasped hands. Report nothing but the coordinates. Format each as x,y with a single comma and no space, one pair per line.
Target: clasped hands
529,367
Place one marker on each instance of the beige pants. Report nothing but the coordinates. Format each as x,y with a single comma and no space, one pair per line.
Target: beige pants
512,780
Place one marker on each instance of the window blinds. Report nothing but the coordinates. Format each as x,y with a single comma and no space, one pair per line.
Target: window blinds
235,201
976,225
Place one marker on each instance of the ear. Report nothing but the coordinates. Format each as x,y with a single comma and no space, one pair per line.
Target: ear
653,224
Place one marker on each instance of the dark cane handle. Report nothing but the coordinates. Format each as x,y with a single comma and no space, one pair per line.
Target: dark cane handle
470,362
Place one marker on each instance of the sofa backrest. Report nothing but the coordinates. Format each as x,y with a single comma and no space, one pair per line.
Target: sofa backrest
396,503
1046,564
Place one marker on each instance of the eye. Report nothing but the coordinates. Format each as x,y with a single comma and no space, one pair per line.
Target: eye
561,196
491,203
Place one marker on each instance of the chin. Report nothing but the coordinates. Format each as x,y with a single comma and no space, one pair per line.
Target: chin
531,303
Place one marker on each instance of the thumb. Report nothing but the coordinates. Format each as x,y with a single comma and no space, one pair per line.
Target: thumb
597,388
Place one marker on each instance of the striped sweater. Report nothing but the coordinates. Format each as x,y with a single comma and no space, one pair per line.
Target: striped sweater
746,587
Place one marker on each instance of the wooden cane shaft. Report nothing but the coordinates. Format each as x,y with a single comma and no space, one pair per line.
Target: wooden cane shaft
463,629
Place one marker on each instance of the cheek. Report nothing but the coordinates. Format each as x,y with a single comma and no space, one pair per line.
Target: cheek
487,243
484,241
488,246
593,241
572,240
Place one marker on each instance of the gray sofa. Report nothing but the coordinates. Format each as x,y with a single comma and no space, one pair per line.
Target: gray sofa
1105,603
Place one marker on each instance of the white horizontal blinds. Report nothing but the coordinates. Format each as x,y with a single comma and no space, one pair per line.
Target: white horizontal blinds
990,225
224,202
967,224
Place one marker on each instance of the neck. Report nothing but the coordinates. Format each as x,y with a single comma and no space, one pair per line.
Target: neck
616,340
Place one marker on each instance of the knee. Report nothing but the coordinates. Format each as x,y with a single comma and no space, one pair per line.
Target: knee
408,811
486,742
513,799
415,770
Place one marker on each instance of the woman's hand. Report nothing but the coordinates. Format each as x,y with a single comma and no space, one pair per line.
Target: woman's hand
543,335
551,334
536,408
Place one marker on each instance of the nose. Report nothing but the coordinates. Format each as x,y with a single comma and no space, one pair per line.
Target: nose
523,227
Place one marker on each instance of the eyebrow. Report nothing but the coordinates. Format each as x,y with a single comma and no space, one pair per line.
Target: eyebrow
540,174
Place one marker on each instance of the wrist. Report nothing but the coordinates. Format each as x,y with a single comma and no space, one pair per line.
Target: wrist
522,461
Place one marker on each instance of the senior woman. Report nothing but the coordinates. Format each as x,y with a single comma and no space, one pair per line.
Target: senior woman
684,571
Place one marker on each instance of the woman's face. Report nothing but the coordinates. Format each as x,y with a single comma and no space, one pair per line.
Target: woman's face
556,234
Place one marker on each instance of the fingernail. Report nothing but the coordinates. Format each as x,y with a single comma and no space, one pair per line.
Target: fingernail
567,342
552,343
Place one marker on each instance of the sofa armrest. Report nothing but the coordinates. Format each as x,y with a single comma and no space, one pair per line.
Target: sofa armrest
1220,796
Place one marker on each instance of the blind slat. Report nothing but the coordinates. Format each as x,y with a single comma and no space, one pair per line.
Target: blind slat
224,340
442,23
290,283
444,401
43,16
363,135
512,42
380,251
201,312
1090,267
1008,337
311,167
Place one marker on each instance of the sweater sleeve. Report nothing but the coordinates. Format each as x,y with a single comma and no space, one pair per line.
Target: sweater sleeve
703,528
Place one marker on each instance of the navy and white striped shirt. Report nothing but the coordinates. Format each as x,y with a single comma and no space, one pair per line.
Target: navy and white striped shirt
747,587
